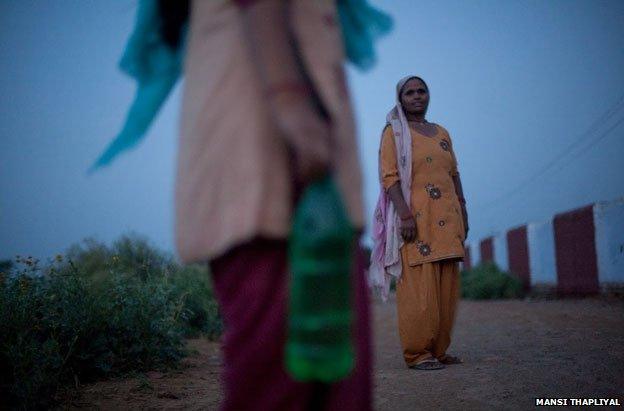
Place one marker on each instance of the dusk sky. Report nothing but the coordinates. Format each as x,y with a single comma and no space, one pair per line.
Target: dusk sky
532,93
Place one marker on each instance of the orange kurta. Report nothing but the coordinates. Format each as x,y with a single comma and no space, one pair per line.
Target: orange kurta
433,201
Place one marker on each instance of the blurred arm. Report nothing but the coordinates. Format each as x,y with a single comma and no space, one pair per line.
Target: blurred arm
268,34
287,91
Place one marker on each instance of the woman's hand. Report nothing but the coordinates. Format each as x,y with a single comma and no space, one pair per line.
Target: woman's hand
408,229
407,226
306,133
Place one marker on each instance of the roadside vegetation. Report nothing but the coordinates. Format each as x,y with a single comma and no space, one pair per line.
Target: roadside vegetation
487,282
96,312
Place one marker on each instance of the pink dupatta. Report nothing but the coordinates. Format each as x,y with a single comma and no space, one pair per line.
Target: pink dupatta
387,241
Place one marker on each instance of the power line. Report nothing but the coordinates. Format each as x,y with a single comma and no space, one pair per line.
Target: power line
571,148
593,142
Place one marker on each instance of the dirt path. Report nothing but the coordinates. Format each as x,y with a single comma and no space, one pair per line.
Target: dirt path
514,351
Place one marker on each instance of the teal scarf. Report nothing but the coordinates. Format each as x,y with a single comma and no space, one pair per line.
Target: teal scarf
361,25
156,67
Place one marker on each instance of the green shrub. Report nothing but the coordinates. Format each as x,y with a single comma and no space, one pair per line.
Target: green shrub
98,312
486,281
134,256
6,266
131,253
200,315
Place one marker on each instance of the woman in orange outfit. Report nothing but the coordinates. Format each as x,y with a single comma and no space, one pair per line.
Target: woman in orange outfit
424,223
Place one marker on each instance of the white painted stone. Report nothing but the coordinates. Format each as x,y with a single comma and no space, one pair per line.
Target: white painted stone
501,253
609,226
541,239
475,253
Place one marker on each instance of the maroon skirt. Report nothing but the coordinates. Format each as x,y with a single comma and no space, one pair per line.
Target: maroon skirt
251,285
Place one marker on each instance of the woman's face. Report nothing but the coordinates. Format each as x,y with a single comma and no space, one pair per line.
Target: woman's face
415,97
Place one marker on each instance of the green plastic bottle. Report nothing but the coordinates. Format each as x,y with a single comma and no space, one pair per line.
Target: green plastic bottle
319,346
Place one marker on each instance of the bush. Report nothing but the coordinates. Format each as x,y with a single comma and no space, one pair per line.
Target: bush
136,257
200,315
98,312
5,266
486,281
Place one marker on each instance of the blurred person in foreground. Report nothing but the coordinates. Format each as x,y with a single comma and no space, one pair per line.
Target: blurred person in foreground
419,227
265,111
264,104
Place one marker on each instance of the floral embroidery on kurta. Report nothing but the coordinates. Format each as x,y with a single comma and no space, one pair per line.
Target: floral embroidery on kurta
434,192
445,145
423,248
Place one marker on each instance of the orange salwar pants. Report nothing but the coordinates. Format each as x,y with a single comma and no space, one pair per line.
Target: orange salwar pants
427,296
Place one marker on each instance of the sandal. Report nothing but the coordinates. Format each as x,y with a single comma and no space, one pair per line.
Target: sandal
428,365
449,359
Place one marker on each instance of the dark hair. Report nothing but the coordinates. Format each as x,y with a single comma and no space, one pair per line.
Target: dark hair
173,15
412,78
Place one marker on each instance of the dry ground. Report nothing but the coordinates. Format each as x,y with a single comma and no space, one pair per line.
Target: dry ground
514,351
